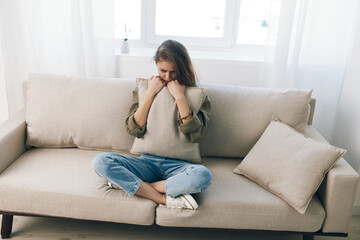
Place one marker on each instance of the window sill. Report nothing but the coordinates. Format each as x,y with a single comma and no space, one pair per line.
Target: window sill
201,55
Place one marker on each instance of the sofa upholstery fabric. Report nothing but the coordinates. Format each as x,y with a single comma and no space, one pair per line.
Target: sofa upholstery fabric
233,201
62,182
342,177
282,156
89,113
241,115
12,135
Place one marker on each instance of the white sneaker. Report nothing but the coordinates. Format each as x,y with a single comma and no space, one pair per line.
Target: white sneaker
182,201
114,186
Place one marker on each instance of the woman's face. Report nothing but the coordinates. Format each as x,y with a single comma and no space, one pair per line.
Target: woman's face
166,70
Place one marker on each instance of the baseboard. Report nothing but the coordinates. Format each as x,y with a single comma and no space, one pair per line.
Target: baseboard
356,210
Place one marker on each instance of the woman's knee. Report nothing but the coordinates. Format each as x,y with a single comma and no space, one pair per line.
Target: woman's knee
101,163
202,175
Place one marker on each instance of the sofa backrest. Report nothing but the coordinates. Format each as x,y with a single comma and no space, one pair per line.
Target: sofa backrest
68,111
241,114
90,113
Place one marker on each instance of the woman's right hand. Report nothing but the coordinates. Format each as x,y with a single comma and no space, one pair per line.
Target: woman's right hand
155,84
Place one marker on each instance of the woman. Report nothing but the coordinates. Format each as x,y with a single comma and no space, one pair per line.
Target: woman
166,181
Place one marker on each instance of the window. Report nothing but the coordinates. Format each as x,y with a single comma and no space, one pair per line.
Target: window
199,23
254,21
183,18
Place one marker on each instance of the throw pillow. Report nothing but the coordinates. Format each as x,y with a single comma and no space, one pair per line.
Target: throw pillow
163,136
289,164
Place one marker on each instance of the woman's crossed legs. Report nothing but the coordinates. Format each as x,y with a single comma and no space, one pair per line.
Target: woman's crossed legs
151,176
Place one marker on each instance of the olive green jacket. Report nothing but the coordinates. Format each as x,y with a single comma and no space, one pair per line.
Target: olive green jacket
194,129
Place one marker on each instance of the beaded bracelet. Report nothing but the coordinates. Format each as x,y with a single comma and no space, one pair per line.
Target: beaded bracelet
189,115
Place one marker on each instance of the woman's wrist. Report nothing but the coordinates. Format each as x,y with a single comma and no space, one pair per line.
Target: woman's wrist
149,94
185,112
180,98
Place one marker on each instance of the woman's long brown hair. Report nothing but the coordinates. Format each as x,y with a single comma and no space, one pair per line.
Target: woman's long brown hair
173,51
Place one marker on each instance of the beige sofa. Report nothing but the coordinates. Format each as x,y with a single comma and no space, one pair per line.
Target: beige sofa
46,157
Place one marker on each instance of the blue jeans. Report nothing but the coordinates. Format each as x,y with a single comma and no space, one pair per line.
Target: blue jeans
129,172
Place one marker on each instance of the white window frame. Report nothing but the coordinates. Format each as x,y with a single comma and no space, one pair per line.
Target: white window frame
148,38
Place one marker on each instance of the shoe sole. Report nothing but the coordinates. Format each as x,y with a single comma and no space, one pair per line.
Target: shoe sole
191,201
113,186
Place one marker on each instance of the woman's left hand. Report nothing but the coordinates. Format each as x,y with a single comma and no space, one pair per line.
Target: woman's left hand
176,89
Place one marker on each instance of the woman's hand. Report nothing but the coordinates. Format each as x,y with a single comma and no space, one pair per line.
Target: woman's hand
155,84
176,89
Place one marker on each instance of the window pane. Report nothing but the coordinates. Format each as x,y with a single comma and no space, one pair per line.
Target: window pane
254,21
127,17
200,18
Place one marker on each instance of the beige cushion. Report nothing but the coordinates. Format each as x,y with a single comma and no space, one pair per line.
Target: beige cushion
67,111
233,201
289,164
241,114
163,136
62,182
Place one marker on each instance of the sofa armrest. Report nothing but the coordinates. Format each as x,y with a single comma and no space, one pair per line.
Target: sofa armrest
337,192
12,139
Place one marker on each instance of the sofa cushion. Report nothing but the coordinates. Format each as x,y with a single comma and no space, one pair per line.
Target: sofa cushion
289,164
241,114
61,182
233,201
89,113
163,136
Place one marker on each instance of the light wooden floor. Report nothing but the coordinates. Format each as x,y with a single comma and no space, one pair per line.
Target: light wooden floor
37,228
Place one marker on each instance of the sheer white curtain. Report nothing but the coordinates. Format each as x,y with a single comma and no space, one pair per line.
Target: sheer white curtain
4,113
313,43
72,37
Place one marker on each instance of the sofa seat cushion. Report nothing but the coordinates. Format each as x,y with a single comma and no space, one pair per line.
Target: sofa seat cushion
233,201
61,182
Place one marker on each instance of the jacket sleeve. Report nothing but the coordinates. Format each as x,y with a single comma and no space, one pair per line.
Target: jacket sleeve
195,128
131,127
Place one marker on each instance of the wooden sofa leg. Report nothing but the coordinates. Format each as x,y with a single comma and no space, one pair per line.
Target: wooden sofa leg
6,226
308,237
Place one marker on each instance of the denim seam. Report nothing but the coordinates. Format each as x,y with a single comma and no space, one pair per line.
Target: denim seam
136,187
167,190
